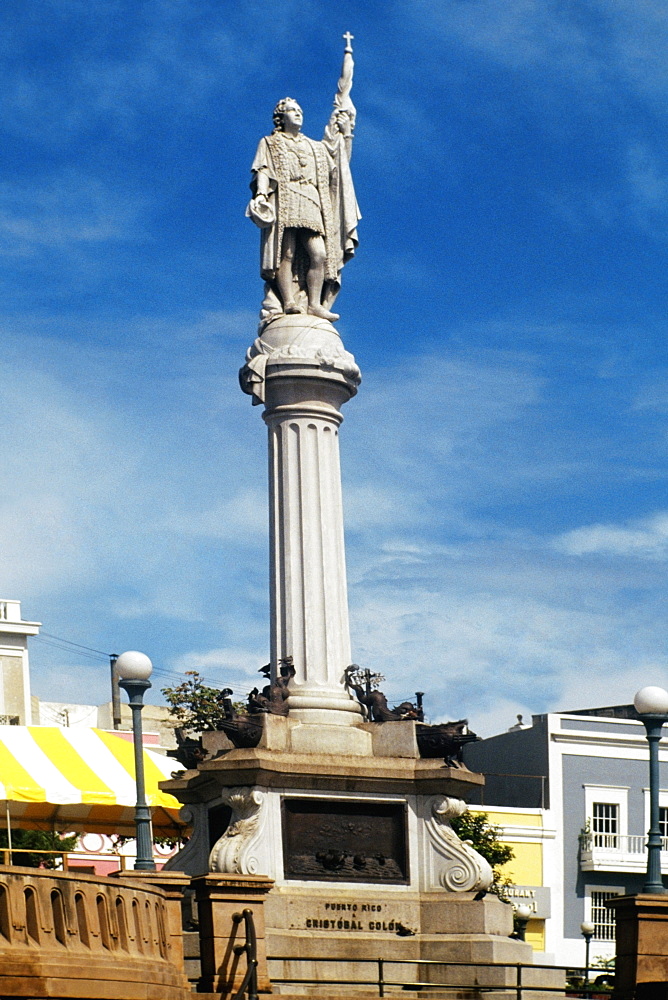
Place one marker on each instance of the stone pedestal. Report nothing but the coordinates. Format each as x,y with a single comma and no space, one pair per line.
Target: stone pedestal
221,898
395,895
641,965
256,784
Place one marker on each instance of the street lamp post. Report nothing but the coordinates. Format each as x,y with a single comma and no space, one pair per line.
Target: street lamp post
651,704
588,930
134,670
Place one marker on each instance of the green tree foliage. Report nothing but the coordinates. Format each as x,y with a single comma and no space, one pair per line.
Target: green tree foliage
483,837
195,706
37,840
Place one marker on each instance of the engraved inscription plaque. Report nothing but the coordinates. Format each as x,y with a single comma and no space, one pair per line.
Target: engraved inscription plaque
344,841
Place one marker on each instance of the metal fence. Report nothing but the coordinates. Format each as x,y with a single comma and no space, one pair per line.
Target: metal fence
388,986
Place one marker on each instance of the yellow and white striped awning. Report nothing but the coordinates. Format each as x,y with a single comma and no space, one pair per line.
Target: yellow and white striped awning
79,780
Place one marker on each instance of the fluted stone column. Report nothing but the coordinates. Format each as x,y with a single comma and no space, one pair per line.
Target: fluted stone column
300,370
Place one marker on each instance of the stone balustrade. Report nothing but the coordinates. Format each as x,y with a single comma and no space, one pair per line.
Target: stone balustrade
85,937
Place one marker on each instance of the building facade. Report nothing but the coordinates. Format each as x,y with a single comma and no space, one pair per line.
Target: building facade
589,770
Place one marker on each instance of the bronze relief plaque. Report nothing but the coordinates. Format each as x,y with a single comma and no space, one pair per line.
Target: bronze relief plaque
345,840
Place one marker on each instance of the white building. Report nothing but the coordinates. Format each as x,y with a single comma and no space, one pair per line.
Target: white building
15,705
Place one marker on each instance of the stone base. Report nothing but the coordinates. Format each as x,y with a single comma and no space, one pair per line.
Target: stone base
641,966
346,740
409,933
365,764
287,735
390,763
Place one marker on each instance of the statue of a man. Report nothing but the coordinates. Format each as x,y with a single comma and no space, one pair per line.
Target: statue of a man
304,202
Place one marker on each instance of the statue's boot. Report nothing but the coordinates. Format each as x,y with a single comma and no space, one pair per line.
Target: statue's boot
291,308
322,313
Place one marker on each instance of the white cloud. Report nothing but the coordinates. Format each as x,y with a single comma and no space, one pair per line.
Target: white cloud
645,538
243,518
225,663
98,472
121,63
428,446
68,208
640,34
475,652
521,33
653,393
372,504
598,45
59,468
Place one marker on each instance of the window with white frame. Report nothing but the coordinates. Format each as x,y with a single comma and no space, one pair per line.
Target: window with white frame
605,824
598,913
606,816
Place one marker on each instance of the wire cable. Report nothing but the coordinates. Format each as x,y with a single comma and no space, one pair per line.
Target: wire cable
80,646
67,649
79,649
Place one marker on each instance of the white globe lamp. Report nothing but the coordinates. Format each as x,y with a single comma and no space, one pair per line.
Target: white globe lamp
135,666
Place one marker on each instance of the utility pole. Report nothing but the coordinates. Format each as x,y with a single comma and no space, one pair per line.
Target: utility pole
115,692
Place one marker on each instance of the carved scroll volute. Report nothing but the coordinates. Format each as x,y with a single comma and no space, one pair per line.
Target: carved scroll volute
458,867
234,851
192,857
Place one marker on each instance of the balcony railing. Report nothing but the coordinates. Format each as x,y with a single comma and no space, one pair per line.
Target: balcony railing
617,852
626,843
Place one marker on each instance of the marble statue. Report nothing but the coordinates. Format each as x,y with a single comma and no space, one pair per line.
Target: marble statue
304,203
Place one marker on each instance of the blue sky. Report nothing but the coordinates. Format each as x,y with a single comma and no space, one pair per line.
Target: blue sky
504,463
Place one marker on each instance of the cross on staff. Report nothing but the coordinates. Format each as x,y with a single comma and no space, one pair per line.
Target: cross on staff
348,38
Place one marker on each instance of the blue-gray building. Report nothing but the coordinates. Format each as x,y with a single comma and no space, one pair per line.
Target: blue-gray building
589,771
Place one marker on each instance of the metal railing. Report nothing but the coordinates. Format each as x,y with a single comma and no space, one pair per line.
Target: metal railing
622,843
249,948
520,986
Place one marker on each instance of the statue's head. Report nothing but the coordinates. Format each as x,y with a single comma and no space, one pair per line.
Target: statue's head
287,111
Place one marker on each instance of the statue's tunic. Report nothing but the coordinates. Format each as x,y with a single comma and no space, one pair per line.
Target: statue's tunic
301,172
302,208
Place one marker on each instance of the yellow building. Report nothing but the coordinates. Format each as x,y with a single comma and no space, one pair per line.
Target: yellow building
533,843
